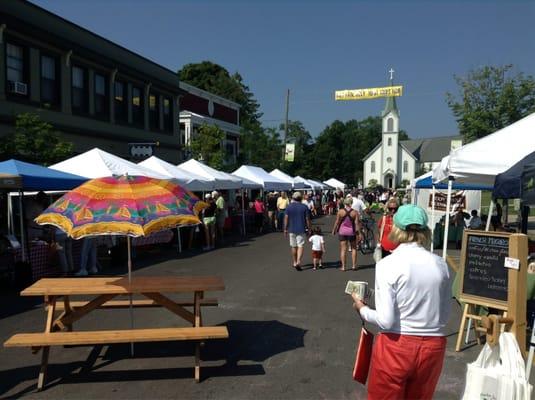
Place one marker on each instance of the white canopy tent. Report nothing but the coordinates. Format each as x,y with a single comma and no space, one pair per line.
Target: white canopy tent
319,185
335,183
277,173
302,181
187,179
223,180
97,163
260,176
479,162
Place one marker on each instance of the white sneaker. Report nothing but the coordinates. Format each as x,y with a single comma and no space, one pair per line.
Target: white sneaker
93,271
82,272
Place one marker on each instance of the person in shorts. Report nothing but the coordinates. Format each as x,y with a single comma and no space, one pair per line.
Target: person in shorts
209,220
347,226
296,224
318,247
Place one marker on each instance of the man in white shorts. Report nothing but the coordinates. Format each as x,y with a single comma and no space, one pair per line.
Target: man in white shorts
296,224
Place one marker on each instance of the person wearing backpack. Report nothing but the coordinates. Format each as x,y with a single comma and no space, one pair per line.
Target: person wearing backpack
347,227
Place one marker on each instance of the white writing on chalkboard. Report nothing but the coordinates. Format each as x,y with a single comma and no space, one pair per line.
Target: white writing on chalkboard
484,273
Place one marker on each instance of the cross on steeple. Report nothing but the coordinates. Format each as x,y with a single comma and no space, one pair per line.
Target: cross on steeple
391,74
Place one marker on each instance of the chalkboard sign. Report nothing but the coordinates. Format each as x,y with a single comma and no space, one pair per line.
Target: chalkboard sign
483,273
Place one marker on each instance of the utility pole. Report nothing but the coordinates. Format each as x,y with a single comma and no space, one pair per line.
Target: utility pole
286,125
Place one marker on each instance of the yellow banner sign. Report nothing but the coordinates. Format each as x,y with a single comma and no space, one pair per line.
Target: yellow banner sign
371,93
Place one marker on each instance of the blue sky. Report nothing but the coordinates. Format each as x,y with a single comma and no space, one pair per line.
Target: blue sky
316,47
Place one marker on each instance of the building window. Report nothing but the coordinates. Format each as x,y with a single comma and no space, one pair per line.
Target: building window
154,112
119,99
390,141
49,81
390,124
138,113
16,70
79,90
101,96
389,159
167,115
405,166
372,166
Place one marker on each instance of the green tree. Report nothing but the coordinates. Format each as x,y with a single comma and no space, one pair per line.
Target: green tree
260,147
490,98
35,141
206,145
217,80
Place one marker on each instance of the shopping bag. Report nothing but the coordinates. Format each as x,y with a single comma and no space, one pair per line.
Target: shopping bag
498,373
364,356
378,253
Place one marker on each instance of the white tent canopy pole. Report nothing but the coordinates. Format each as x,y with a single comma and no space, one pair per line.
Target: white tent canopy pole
489,216
447,222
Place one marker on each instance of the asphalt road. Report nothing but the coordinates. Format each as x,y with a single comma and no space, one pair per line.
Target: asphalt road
292,334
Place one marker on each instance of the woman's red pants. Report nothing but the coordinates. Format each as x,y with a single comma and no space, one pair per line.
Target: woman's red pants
405,366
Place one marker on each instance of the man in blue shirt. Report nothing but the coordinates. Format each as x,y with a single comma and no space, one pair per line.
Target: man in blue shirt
296,223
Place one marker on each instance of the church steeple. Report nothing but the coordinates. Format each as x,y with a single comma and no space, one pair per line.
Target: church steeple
390,105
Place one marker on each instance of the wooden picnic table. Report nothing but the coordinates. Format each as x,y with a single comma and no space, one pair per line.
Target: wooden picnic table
59,329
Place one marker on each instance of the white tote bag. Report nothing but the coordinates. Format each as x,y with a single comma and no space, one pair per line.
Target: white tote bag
498,373
378,252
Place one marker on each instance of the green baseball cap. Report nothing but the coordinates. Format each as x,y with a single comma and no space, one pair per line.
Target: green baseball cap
410,214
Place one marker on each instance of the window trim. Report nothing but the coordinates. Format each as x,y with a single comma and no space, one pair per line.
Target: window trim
141,106
121,119
57,81
167,119
25,68
372,167
154,125
85,109
106,113
405,166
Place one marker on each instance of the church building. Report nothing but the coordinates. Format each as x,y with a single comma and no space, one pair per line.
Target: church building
393,162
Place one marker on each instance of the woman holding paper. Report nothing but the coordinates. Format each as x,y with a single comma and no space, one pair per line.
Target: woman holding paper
412,298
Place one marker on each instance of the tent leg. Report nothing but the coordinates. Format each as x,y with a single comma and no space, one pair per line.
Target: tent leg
447,222
489,217
22,235
243,211
433,217
129,245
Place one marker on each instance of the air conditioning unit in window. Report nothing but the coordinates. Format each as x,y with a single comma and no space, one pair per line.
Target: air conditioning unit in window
18,87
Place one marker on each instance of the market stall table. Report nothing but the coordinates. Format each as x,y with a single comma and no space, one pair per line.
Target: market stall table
59,330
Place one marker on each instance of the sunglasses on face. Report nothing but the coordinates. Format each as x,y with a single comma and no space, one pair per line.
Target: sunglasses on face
392,208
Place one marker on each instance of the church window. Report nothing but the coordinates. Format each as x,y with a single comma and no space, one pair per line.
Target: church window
390,124
405,166
372,166
390,141
389,159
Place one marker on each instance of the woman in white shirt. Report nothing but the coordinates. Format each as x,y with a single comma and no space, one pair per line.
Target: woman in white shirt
412,299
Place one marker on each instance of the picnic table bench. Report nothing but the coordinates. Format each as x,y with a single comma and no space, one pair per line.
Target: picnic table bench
59,329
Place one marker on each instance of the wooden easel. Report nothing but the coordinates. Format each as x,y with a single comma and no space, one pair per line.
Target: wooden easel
515,306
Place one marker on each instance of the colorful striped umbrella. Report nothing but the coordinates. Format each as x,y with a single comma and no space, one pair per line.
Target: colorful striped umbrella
123,205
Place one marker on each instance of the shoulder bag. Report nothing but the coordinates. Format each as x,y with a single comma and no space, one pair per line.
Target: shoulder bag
364,355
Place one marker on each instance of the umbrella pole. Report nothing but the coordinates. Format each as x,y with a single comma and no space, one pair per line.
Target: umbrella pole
447,222
179,239
129,246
